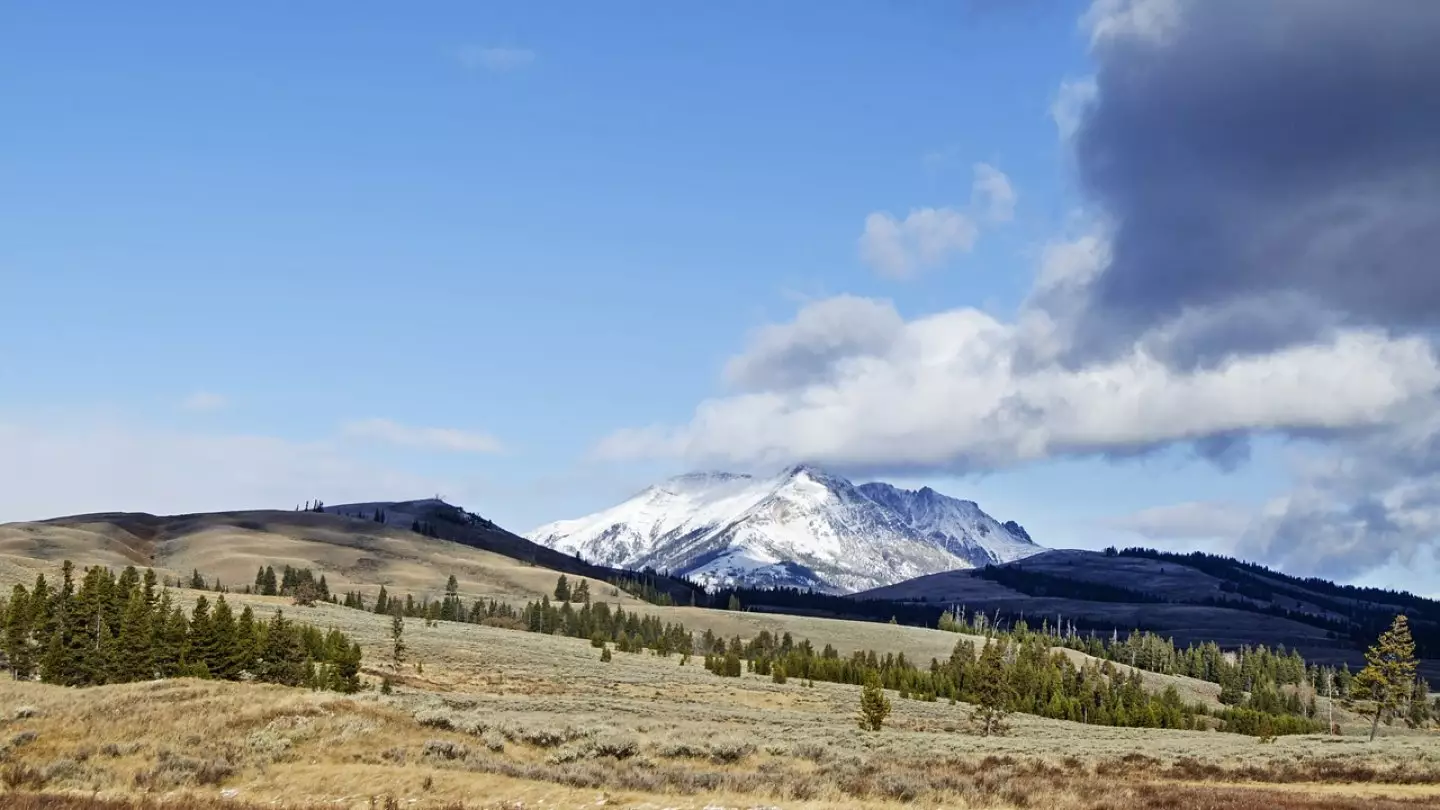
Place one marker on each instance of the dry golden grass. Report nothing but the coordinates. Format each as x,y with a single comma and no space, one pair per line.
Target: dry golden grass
497,718
353,554
359,555
492,718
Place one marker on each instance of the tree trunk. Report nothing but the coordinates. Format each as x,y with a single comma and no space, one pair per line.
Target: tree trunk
1375,725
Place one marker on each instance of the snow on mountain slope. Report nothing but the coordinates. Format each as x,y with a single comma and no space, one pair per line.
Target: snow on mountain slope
804,527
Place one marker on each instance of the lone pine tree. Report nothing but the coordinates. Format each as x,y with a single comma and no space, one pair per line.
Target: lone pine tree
993,692
1388,678
874,706
397,640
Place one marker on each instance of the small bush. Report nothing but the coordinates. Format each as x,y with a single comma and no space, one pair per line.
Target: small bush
435,718
18,775
730,750
445,750
172,770
22,739
494,740
901,786
676,749
542,736
570,753
617,746
813,751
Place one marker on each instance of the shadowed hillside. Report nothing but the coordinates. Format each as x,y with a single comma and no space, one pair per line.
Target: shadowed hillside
1192,597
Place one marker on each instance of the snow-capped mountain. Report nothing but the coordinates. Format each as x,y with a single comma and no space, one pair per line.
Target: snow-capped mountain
804,528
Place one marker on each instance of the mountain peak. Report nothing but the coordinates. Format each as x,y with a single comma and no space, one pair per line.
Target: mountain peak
804,527
807,470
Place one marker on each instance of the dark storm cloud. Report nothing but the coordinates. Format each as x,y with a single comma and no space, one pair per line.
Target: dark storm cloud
1281,152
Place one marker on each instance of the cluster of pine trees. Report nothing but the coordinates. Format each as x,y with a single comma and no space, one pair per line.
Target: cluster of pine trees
294,582
113,629
1252,678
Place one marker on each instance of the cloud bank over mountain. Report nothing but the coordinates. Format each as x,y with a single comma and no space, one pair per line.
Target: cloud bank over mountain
1266,208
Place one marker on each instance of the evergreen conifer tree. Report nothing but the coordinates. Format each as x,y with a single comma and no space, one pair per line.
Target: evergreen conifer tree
19,650
135,653
223,660
1389,674
397,640
201,646
874,706
993,691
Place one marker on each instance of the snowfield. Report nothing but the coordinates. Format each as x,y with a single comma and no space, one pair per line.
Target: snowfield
802,528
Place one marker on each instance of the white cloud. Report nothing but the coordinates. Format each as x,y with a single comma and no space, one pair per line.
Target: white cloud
1141,20
821,335
1071,103
925,239
421,438
106,466
496,59
960,389
204,401
1191,521
930,237
992,195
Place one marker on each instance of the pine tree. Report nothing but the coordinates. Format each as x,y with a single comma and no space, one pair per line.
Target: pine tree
19,649
874,706
605,654
165,646
135,649
993,691
382,602
1231,693
270,585
582,591
246,650
201,646
147,587
1389,674
223,661
283,657
562,589
397,640
450,607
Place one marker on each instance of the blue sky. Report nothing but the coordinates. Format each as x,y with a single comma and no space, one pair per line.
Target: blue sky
347,247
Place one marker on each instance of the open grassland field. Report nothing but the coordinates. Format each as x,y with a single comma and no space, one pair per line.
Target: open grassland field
353,554
489,717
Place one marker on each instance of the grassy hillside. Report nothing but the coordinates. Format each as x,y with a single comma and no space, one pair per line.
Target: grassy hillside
352,553
521,717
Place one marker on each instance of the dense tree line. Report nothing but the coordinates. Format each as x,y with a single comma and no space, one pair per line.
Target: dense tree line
1037,583
110,629
1366,611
